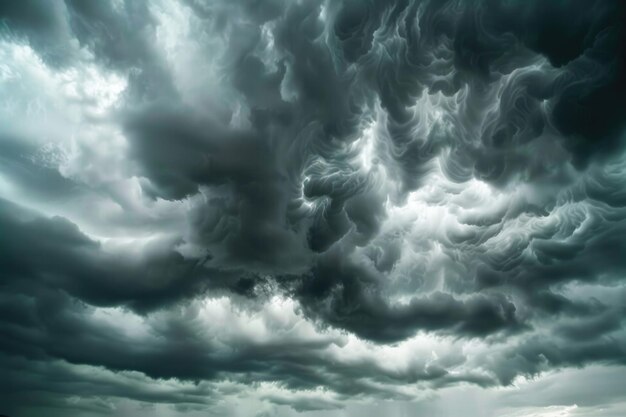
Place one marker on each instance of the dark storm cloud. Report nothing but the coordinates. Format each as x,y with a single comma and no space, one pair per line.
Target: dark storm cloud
121,38
357,303
43,324
43,24
582,39
54,253
24,376
399,168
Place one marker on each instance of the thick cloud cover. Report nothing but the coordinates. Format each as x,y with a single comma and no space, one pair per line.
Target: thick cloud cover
269,207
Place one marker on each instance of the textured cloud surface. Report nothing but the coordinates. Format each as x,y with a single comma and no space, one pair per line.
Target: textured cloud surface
341,207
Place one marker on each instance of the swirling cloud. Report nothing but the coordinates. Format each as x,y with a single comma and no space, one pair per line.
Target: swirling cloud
268,207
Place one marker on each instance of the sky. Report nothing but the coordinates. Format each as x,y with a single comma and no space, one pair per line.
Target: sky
312,208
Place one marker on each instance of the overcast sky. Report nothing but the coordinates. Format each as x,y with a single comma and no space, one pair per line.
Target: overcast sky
312,208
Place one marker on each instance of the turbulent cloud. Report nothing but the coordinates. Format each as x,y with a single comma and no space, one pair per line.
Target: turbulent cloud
272,207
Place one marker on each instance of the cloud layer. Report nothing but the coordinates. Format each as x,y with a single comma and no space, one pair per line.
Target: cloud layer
308,205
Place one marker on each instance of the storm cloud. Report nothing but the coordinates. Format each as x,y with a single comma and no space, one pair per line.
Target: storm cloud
268,207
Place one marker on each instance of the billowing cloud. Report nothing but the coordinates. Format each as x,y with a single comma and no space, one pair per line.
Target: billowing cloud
273,207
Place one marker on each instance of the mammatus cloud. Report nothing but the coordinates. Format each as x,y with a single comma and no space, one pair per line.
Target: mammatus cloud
333,207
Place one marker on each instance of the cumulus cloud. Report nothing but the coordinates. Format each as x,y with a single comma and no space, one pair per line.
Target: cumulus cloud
309,205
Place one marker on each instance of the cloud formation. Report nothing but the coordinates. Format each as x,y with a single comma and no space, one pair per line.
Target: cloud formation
311,205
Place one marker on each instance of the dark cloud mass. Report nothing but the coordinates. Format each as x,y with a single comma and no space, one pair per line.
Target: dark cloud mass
267,207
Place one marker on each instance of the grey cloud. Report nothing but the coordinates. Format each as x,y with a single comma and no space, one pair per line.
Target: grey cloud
394,169
53,252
